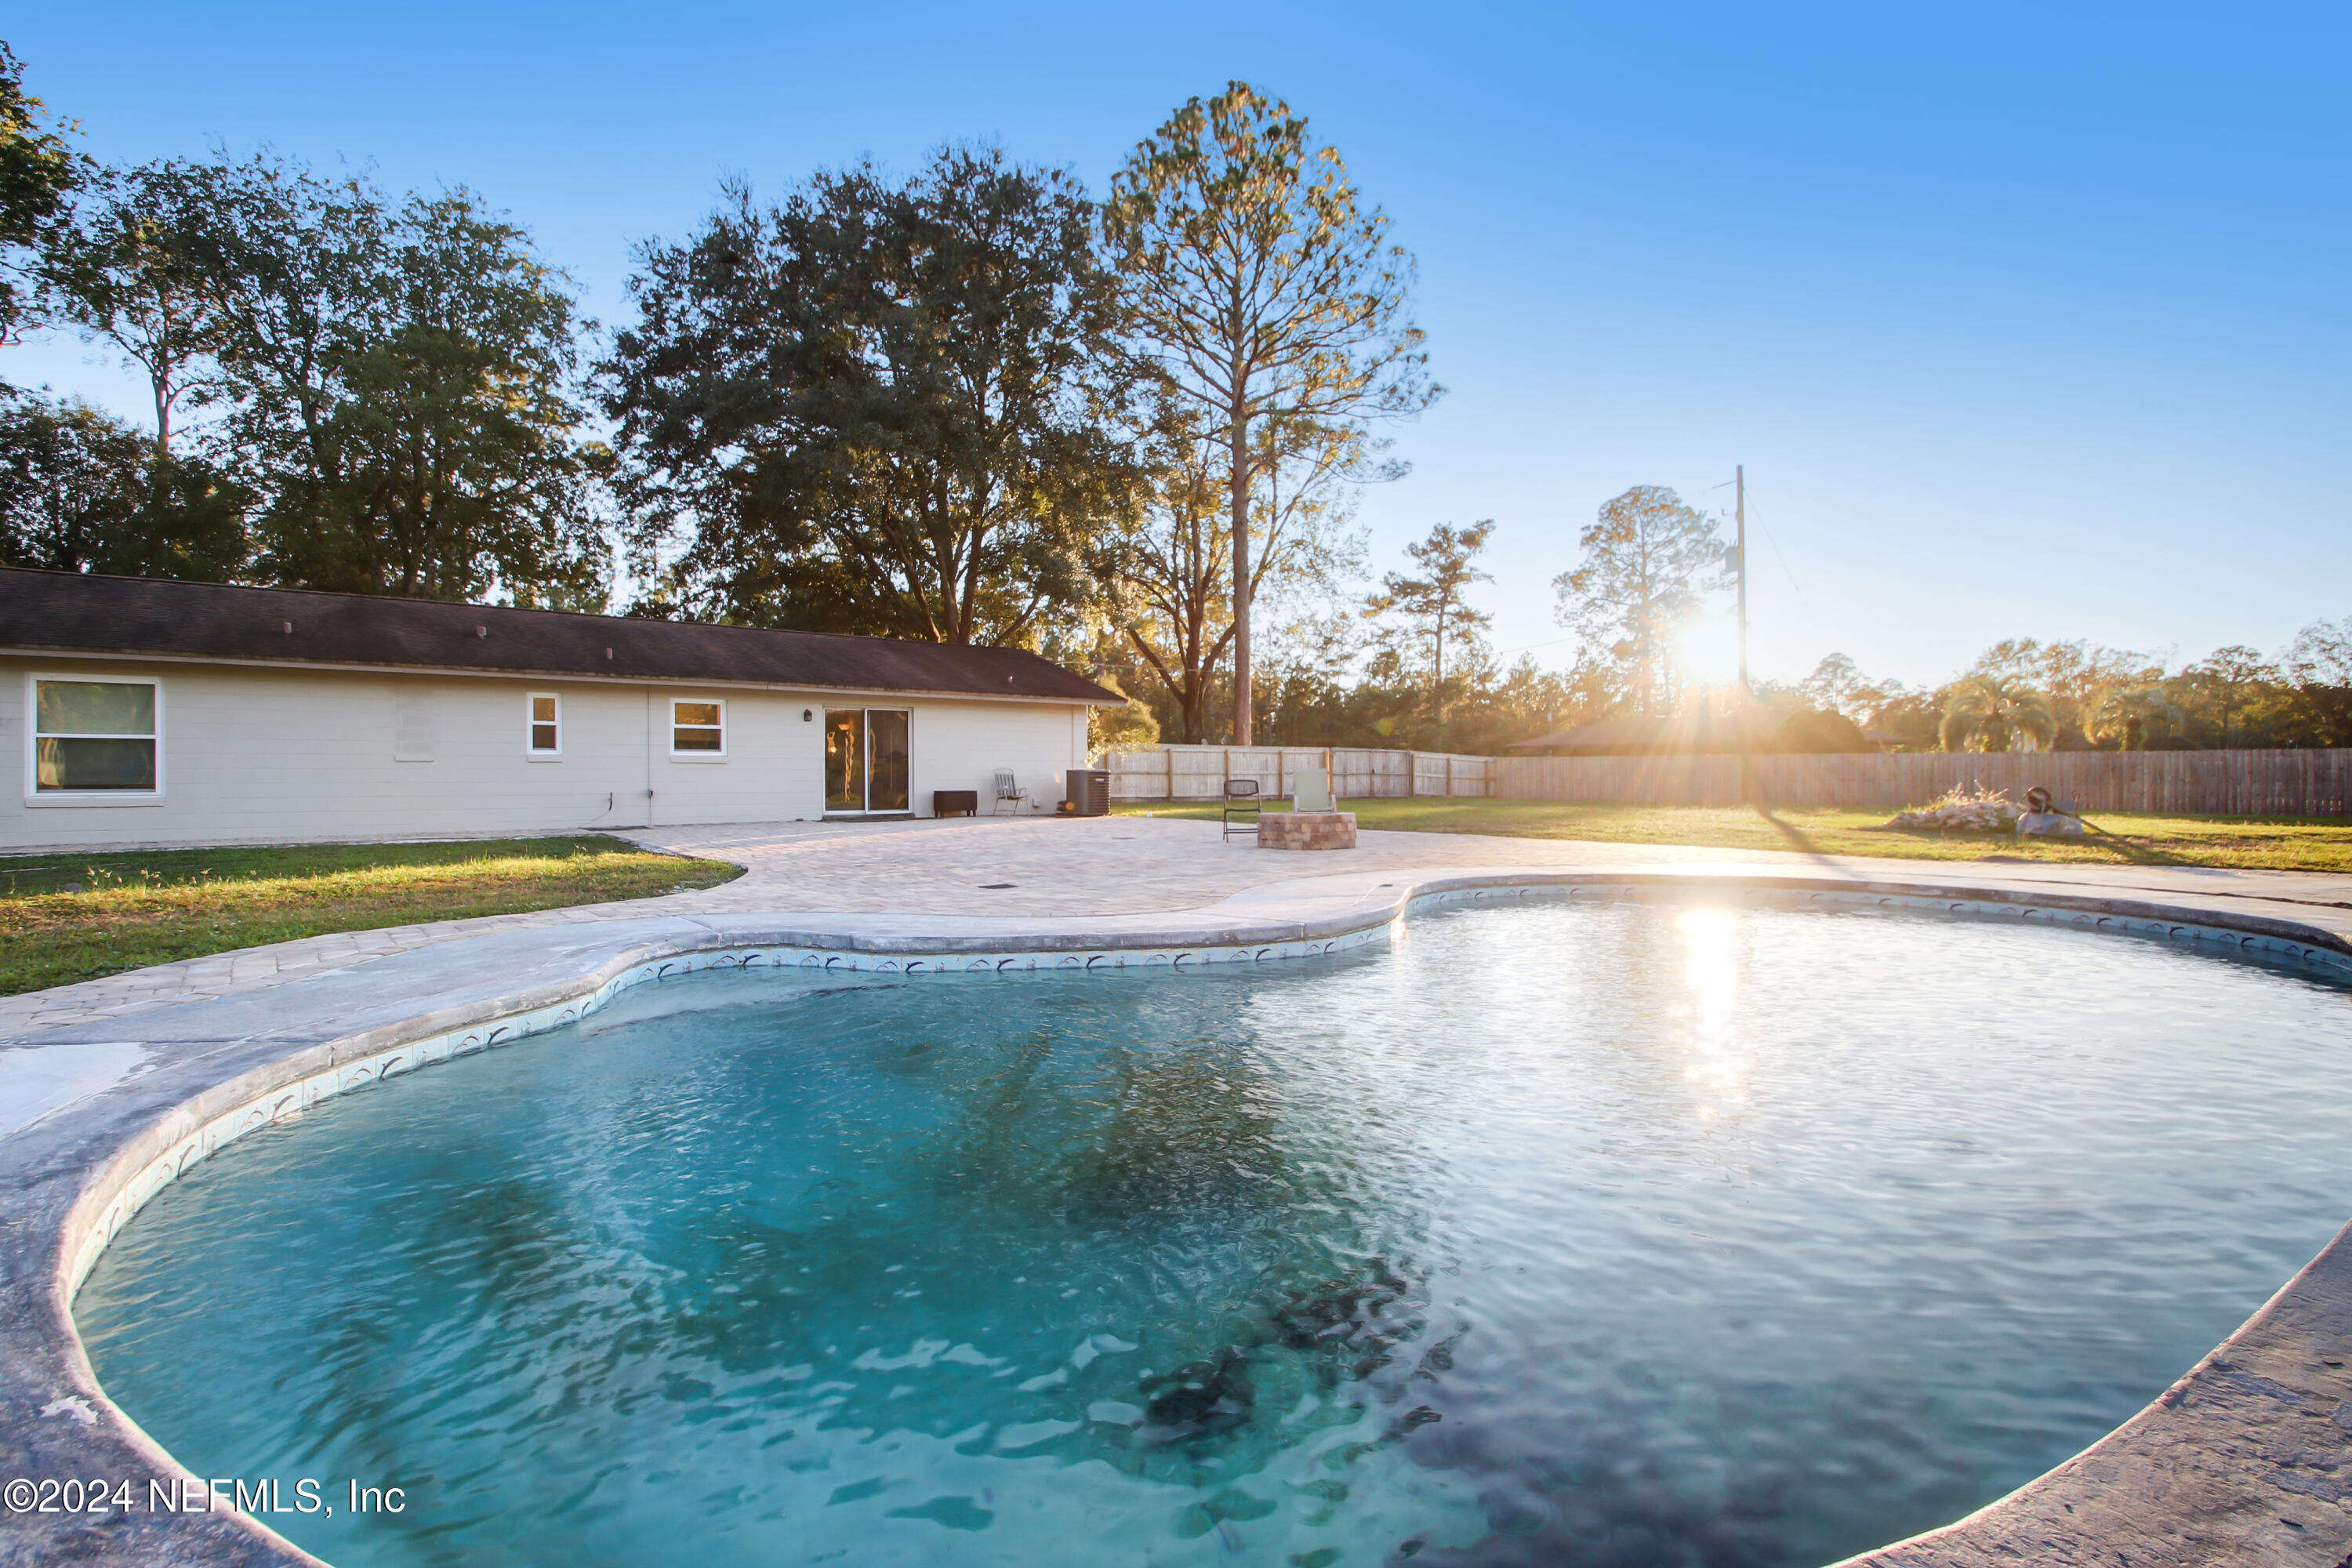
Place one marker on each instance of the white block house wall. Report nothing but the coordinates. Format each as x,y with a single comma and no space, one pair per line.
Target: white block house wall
272,753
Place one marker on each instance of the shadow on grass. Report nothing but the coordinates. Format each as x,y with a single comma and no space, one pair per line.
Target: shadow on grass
2137,854
1797,837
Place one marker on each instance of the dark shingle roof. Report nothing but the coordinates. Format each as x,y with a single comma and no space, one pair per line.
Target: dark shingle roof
65,612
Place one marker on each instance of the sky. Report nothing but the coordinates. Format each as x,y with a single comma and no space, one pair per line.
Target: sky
2024,320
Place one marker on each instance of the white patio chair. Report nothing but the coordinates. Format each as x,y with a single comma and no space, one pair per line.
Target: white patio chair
1007,788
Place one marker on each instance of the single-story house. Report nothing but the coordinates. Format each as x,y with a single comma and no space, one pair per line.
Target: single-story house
143,712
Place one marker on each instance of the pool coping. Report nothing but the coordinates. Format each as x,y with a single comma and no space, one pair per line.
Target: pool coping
2248,1457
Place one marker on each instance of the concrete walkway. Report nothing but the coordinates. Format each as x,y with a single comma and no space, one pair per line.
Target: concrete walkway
1100,866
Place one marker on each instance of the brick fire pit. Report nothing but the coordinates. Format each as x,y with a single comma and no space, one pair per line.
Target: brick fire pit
1307,830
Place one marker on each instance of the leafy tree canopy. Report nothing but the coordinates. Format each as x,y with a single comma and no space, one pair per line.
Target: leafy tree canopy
392,378
83,493
134,269
886,406
39,170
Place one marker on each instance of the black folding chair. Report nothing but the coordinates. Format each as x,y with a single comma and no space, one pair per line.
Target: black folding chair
1241,808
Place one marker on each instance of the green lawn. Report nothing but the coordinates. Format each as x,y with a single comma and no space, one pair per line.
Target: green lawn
67,917
2271,843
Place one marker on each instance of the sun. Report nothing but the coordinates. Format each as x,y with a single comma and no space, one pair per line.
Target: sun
1707,649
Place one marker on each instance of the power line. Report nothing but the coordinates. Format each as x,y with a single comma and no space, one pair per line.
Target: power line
1530,648
1805,605
1783,560
1739,479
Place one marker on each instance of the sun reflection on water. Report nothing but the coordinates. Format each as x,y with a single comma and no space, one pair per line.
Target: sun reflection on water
1719,1059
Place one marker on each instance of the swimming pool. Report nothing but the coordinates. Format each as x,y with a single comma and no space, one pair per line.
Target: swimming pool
1616,1234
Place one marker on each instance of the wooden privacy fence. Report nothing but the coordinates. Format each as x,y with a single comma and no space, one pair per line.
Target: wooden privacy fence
1357,773
2313,783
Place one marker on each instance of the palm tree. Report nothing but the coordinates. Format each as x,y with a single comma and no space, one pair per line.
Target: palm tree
1986,714
2132,716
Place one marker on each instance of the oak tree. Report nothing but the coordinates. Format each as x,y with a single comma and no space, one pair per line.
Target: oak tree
131,269
38,172
881,406
393,381
81,491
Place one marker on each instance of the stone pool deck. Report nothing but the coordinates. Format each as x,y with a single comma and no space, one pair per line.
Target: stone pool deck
108,1089
1099,866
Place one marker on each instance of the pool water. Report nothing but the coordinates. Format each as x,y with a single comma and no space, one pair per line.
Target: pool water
1559,1234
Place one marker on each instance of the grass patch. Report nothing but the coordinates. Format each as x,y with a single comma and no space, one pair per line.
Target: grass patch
66,916
2264,844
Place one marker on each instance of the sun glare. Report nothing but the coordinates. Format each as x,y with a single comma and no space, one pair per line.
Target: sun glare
1711,976
1708,650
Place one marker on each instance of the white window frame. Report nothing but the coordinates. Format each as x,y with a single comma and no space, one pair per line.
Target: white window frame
678,756
531,723
37,796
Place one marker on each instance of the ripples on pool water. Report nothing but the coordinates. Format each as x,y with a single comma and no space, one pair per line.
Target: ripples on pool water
1592,1235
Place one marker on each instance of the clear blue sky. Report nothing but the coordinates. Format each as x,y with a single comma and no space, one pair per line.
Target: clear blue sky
2026,321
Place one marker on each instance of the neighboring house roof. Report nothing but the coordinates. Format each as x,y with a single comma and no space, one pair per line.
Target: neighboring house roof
65,612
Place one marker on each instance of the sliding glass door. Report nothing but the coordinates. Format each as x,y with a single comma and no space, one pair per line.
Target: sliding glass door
886,767
845,759
865,760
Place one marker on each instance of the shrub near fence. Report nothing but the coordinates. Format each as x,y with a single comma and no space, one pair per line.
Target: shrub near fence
2197,784
1357,773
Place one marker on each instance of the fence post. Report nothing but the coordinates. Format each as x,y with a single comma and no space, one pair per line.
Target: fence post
1449,775
1171,758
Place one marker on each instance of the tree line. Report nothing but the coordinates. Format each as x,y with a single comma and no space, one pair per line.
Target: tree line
970,402
1649,566
2026,694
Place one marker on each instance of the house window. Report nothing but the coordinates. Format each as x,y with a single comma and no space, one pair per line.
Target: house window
546,724
697,729
97,737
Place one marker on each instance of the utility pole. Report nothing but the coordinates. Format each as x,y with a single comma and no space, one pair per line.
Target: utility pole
1747,698
1739,509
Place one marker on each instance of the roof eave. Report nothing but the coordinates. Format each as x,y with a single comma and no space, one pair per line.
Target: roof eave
501,672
